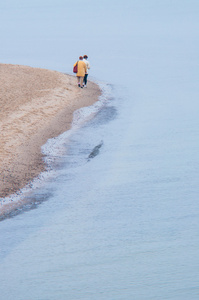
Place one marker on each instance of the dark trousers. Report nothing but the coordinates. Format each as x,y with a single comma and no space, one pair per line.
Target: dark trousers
85,79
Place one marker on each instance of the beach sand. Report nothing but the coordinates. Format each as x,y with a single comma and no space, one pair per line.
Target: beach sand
35,105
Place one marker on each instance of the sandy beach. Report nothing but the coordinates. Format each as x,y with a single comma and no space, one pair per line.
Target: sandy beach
35,105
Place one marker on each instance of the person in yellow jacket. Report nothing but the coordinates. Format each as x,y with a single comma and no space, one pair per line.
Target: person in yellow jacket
81,71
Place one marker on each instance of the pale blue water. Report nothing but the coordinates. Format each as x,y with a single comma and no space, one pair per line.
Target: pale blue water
124,223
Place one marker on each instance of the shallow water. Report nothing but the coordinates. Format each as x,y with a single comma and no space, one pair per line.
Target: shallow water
122,223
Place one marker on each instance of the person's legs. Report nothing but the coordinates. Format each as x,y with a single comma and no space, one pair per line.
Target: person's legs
85,79
81,81
78,80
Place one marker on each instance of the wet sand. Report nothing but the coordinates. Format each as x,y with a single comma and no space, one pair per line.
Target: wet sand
35,105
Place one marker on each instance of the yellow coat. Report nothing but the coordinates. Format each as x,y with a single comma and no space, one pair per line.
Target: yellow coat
81,69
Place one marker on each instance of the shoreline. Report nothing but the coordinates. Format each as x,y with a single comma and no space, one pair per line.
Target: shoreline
36,105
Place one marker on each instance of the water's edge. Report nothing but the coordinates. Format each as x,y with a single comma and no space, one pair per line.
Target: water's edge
22,200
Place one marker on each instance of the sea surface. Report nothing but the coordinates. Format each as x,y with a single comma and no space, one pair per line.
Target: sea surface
117,215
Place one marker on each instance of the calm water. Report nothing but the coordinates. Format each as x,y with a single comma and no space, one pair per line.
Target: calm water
118,216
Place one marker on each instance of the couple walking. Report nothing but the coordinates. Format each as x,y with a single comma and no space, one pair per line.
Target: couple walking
82,71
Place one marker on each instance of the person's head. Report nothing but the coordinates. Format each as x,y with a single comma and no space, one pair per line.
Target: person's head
81,57
85,56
